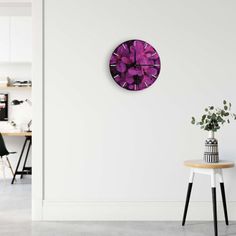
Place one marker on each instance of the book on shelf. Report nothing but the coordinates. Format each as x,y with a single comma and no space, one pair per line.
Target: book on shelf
21,84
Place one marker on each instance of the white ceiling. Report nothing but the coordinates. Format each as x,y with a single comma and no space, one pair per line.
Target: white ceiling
15,8
15,1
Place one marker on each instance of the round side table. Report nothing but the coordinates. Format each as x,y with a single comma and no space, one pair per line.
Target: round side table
213,170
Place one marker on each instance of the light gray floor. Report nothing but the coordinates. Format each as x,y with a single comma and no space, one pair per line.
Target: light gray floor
15,220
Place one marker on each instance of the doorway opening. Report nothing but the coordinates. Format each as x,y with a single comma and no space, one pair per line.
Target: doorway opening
15,111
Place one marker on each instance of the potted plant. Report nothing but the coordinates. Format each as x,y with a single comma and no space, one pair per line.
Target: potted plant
212,120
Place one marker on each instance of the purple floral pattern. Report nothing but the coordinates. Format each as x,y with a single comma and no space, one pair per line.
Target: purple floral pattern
135,65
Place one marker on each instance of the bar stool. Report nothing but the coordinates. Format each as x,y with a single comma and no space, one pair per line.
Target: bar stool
213,170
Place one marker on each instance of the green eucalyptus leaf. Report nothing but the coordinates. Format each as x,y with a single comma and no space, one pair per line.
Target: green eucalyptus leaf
226,108
224,102
211,107
203,117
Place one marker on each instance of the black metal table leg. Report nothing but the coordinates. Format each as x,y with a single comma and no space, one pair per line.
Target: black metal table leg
222,187
17,166
25,170
187,202
214,210
26,158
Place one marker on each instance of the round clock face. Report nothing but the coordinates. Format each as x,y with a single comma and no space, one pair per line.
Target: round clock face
135,65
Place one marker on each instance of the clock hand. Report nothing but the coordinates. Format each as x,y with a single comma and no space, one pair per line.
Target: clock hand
145,65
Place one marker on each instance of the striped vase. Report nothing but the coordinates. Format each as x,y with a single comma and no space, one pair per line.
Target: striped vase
211,149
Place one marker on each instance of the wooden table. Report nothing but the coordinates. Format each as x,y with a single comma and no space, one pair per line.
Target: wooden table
26,170
213,170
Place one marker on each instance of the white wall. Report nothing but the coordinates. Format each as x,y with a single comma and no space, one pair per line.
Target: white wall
17,71
115,154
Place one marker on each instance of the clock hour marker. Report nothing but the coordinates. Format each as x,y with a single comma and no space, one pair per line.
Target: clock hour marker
135,87
112,64
134,43
124,84
115,54
124,46
145,46
146,84
154,76
154,54
116,76
157,65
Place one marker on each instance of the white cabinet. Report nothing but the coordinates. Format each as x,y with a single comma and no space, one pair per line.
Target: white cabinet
4,39
15,39
20,39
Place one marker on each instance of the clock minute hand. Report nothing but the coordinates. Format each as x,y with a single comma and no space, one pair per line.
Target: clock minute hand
144,65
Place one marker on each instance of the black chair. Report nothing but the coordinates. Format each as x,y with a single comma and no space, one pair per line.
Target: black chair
4,152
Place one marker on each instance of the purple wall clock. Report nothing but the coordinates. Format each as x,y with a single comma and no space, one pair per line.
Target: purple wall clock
135,65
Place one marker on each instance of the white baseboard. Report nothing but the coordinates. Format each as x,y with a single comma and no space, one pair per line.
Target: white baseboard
37,210
131,211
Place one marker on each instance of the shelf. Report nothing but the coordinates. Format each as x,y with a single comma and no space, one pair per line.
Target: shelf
15,87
